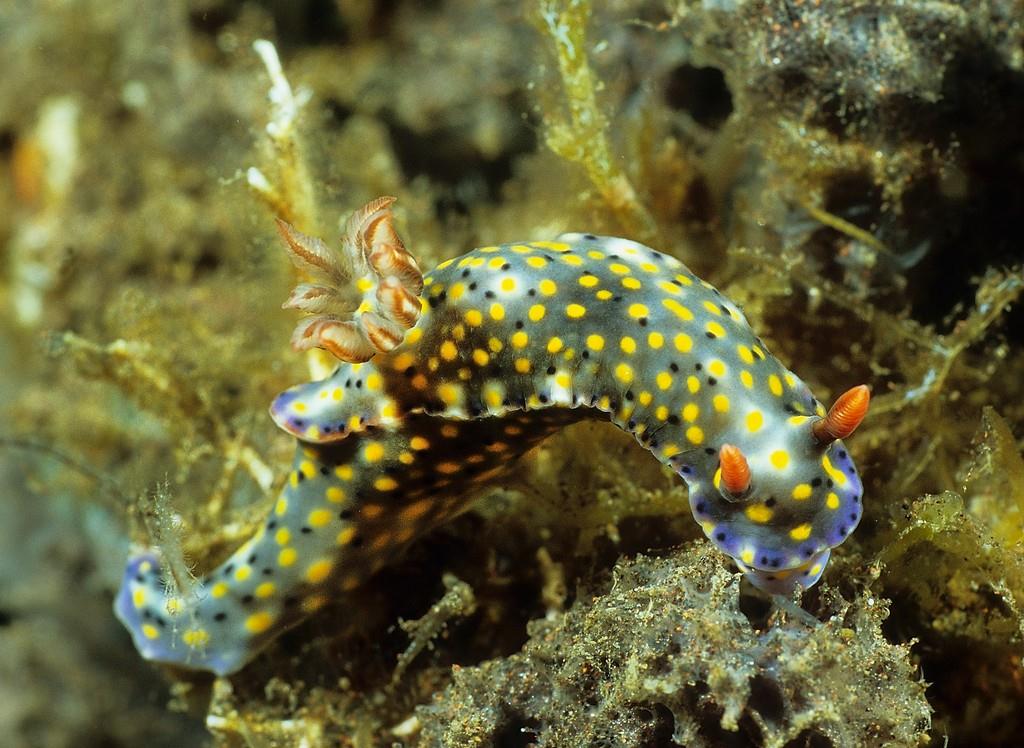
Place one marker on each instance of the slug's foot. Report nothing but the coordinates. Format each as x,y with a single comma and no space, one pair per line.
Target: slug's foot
784,581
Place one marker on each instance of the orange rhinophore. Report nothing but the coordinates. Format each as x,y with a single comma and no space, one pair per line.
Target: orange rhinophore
735,470
845,416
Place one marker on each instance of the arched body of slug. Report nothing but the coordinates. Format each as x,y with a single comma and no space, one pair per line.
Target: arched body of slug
513,342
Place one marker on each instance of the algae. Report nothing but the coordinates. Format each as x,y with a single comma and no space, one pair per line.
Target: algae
847,171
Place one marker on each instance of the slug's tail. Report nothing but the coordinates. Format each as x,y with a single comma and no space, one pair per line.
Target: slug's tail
170,630
383,270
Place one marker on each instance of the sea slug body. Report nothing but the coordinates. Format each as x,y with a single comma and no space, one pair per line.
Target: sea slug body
448,377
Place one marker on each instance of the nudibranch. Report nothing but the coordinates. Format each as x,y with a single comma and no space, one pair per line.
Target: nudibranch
446,378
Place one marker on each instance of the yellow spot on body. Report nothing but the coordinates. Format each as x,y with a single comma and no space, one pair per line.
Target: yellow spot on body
670,450
150,631
632,284
265,590
716,329
456,291
474,318
318,518
492,396
588,281
307,469
671,288
345,536
790,379
713,308
720,403
547,287
481,357
195,638
419,443
624,373
554,345
837,475
337,393
619,269
595,255
497,311
755,420
802,491
450,393
678,309
747,555
218,590
717,368
661,413
685,280
496,263
604,294
281,507
242,573
520,339
318,571
575,311
645,398
759,513
344,472
690,412
664,380
282,536
800,532
536,313
747,379
374,452
403,361
536,262
655,340
572,260
287,557
385,483
695,434
779,459
693,384
648,267
775,385
257,623
299,407
508,284
139,597
449,351
563,380
523,365
636,311
595,342
628,345
832,501
683,342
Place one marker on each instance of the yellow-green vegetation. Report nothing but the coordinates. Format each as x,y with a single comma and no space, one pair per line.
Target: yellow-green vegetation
848,171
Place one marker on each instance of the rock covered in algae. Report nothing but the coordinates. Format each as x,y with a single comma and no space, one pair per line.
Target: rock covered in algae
693,669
